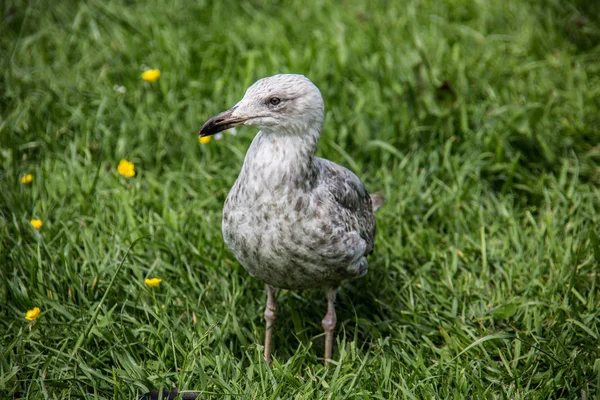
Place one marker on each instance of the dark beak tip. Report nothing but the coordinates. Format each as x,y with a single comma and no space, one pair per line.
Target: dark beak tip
218,123
207,128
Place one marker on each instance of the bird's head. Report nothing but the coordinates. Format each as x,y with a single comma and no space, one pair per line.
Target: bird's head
286,103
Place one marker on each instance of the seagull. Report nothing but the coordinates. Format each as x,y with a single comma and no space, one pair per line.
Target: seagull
293,220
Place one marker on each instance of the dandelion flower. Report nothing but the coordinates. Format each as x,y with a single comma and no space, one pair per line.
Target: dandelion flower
32,314
152,281
36,223
26,179
205,139
151,75
126,168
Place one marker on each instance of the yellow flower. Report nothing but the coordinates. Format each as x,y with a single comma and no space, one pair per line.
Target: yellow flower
152,281
25,179
151,75
36,223
205,139
32,314
126,168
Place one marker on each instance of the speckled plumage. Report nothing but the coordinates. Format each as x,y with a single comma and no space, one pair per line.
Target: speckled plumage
294,220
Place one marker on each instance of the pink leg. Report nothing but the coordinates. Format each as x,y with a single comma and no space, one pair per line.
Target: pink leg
329,324
270,319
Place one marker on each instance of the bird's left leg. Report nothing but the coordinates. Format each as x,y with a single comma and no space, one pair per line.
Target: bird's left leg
270,316
328,323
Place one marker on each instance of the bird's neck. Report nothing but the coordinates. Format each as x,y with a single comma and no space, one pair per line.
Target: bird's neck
280,159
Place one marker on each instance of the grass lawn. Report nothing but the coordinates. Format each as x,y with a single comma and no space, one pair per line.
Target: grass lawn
479,120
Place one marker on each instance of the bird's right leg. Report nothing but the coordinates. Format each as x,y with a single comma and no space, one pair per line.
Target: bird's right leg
328,323
270,320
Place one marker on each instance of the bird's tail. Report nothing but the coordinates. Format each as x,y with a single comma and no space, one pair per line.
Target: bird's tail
377,200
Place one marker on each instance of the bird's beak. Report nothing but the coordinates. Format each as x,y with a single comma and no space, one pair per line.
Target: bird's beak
221,122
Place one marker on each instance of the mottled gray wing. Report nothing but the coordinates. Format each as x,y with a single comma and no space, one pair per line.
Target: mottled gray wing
354,209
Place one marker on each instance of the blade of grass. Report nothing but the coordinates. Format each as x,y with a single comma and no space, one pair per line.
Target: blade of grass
86,333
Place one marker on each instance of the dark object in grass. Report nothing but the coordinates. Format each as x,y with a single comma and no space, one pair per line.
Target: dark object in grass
169,395
293,220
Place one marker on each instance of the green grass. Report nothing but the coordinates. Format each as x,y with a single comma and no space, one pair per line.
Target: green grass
479,120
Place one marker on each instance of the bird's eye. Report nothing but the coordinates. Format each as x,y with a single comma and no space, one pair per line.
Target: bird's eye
274,101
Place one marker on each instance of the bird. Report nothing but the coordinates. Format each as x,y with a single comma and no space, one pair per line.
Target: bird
293,220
